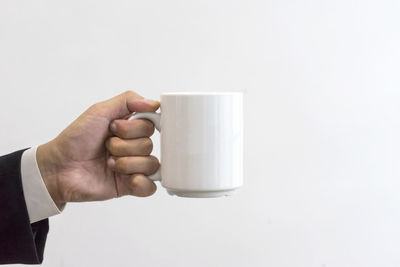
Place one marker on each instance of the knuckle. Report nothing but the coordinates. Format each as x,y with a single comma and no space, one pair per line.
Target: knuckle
114,144
147,145
148,192
95,107
142,186
153,163
153,190
128,93
148,127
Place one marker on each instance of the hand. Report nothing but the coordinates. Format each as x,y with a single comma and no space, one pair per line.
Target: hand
76,166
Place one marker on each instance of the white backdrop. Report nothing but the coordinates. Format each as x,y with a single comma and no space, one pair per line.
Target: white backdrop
322,150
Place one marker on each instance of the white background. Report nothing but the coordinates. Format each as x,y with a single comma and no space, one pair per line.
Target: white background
322,129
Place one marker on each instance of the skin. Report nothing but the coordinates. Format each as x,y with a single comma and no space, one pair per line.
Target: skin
101,155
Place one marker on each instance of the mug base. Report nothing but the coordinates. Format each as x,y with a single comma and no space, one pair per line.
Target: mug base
201,194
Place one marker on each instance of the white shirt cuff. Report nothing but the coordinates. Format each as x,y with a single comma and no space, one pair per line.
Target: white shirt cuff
38,201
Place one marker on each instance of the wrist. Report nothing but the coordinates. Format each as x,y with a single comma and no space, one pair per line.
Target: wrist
49,169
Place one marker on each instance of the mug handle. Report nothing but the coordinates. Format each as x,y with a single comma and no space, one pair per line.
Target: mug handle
155,118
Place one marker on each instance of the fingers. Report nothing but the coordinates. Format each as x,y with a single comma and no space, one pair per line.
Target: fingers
132,165
129,147
132,128
129,102
143,105
122,105
137,185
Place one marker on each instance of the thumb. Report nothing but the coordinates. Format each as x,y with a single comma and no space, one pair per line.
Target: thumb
124,104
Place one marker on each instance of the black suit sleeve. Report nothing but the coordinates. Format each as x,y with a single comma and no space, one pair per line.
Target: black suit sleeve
20,241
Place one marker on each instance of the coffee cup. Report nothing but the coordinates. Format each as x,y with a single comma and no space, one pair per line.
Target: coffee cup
201,143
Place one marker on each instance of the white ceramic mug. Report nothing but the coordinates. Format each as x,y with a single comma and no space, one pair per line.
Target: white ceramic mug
201,143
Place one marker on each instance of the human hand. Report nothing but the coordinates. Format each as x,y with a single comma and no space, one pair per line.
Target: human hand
77,166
